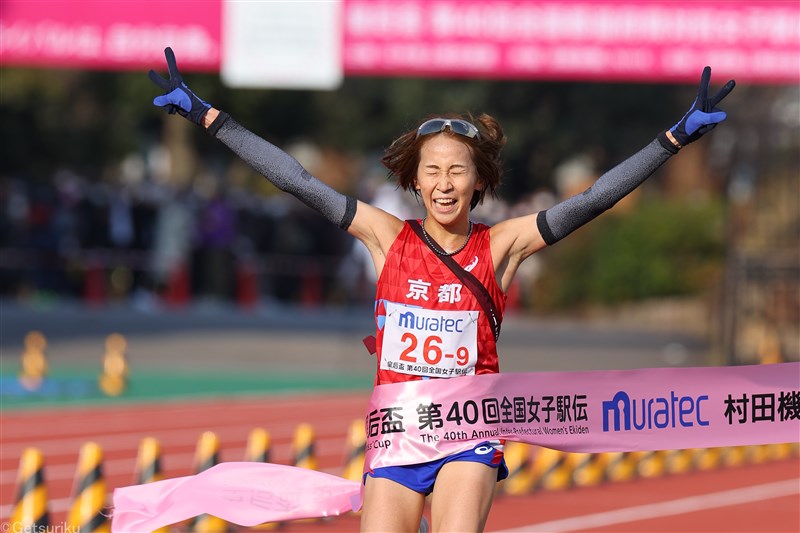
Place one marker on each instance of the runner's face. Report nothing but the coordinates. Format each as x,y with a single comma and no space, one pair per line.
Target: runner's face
446,179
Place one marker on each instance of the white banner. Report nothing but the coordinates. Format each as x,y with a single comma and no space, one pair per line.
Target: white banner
291,45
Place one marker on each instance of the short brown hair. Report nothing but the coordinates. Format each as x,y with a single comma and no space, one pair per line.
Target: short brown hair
401,158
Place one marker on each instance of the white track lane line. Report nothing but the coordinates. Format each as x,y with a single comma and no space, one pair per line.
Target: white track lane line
702,502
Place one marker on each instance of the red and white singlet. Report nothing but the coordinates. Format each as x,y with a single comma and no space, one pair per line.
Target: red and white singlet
429,325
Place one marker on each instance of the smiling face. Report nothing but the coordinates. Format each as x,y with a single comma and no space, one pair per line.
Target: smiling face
446,180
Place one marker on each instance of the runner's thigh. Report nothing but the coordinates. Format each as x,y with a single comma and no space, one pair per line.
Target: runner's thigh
390,507
462,496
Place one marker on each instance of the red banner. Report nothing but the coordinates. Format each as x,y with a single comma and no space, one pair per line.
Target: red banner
113,35
601,40
596,40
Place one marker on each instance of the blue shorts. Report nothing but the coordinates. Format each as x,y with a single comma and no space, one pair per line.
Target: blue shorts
421,477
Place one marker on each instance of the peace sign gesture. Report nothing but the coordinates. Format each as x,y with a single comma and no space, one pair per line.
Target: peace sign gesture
704,115
178,98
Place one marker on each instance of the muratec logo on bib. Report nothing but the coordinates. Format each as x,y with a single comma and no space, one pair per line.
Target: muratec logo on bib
649,413
409,320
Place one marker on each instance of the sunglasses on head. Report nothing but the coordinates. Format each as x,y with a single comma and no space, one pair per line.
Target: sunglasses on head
456,125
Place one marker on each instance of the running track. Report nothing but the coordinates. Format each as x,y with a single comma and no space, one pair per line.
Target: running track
754,498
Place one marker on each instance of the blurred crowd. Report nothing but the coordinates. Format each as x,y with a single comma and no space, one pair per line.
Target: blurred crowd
147,239
150,243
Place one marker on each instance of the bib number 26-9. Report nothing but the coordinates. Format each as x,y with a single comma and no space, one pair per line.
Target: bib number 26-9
430,343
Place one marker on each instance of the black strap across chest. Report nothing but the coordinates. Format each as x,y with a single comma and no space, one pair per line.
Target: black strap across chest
467,278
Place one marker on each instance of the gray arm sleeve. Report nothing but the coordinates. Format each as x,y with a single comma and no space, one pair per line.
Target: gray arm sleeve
283,171
563,218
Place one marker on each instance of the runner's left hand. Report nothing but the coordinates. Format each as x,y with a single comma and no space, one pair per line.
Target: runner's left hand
704,115
179,98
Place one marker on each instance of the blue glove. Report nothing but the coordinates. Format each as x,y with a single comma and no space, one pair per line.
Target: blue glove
703,115
179,98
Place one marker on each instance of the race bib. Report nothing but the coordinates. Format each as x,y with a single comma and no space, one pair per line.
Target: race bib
429,343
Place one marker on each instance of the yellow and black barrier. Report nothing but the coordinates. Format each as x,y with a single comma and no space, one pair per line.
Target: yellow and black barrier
33,363
588,469
207,455
304,452
521,478
30,504
531,468
303,447
258,450
148,461
678,461
87,511
620,466
779,452
552,469
757,454
706,458
650,463
258,446
148,466
356,448
732,456
113,380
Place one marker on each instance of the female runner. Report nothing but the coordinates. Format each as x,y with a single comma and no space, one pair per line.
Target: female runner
450,162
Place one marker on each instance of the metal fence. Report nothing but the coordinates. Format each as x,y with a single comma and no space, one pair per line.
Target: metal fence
760,316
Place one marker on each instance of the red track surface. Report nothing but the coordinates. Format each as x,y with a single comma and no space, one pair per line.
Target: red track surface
753,498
